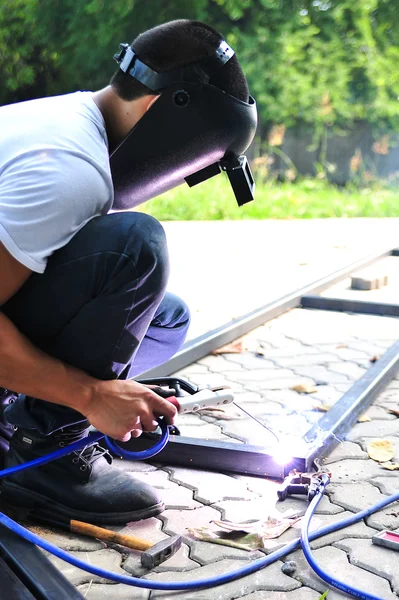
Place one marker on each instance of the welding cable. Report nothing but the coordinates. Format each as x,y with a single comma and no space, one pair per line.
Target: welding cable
196,584
90,440
329,579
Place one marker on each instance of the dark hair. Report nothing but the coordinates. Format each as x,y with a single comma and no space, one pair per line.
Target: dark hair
177,44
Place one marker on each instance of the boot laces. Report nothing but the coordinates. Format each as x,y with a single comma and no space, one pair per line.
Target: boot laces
86,455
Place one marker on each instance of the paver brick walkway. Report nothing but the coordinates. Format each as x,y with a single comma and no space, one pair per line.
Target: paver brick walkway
330,351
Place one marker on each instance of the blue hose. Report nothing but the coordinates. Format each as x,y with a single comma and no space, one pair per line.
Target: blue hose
344,587
201,583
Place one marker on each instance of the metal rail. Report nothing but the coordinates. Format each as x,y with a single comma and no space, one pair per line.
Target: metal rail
320,439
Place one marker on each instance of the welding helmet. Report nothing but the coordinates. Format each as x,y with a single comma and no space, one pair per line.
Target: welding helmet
192,132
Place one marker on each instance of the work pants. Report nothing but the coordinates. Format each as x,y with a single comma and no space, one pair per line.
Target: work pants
100,306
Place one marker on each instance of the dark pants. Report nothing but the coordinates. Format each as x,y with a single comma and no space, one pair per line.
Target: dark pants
100,306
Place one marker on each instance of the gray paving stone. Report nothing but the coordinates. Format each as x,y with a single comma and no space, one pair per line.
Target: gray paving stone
148,529
209,487
137,466
345,450
210,379
95,591
306,359
302,593
358,496
350,470
250,360
260,375
300,503
208,431
350,369
320,373
157,478
282,384
378,412
219,363
326,394
179,497
343,352
177,521
206,553
373,558
374,429
336,563
358,530
105,559
387,485
270,578
65,540
389,395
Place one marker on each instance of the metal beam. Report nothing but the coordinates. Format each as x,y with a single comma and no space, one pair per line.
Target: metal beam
24,568
203,345
347,305
252,460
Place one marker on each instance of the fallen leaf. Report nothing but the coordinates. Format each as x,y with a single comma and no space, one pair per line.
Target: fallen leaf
393,411
391,466
322,407
363,419
380,450
236,347
252,535
304,388
341,346
374,359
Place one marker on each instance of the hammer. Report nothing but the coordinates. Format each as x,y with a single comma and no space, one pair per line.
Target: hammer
152,554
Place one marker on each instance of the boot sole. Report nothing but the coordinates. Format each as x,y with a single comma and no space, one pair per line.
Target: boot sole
21,497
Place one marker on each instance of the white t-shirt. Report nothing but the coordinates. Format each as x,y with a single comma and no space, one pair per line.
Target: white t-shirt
54,174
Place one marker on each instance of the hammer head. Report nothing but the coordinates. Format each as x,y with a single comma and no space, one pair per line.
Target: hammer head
160,552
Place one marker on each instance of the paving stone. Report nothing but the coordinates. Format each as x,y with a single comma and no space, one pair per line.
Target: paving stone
95,591
281,384
260,485
345,450
190,420
374,429
292,401
219,363
373,558
251,360
252,433
358,530
356,497
350,369
336,563
209,431
177,521
369,348
300,504
291,352
350,470
320,373
379,413
157,478
389,395
134,466
65,540
260,375
302,593
295,424
178,562
387,485
209,487
179,497
148,529
105,559
210,379
240,512
344,352
191,371
306,359
206,553
264,579
326,394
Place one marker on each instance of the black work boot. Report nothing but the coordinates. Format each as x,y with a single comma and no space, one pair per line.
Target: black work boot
82,486
6,430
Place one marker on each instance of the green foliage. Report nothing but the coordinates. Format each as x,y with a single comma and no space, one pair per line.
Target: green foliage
325,63
307,198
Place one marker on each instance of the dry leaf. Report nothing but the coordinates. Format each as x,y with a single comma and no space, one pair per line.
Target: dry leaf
381,450
363,419
391,466
236,347
252,535
341,346
374,359
304,388
322,407
393,411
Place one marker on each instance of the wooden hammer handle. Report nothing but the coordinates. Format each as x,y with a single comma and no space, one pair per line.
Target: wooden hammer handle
109,536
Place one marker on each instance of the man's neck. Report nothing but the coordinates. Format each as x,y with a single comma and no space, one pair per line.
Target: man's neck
120,116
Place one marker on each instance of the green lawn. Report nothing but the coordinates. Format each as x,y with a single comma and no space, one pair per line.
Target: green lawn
305,199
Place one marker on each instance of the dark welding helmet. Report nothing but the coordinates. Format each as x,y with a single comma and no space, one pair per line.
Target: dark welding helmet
191,133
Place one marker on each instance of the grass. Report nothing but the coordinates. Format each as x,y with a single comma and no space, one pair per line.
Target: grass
307,198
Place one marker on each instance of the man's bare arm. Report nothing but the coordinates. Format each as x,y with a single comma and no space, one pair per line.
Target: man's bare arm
116,408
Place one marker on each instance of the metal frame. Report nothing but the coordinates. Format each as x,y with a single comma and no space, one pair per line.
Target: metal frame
27,574
320,439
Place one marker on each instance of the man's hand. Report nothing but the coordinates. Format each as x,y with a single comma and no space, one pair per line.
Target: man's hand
121,409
